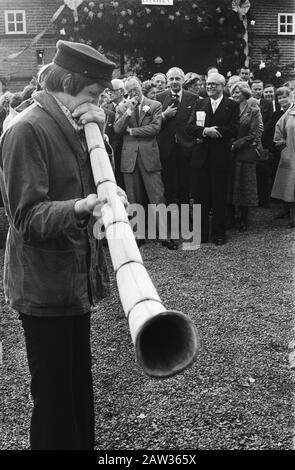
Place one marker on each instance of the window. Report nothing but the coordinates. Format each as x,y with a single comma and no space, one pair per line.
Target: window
15,22
286,23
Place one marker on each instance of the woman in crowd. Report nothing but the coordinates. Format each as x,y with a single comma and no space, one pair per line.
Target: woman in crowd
284,183
245,148
160,80
283,97
232,80
192,83
149,89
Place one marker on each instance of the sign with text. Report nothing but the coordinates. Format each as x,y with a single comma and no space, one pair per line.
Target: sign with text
157,2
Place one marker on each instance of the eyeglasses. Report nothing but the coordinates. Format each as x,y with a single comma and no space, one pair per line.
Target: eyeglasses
212,85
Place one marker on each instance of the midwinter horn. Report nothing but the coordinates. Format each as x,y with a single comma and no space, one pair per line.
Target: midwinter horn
166,342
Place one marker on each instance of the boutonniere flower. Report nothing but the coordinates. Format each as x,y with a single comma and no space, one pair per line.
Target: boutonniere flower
146,108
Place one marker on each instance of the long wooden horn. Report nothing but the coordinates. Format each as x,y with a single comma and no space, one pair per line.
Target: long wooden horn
166,342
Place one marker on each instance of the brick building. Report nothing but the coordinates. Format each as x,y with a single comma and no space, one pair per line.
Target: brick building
274,20
20,22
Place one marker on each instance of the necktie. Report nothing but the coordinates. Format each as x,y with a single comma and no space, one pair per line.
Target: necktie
176,98
136,113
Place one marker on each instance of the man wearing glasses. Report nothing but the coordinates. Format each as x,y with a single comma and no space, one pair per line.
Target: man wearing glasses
214,121
117,96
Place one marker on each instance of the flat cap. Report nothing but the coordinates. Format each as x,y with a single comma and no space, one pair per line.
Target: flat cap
83,59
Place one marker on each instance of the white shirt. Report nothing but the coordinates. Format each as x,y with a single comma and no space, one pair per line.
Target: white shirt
215,103
274,105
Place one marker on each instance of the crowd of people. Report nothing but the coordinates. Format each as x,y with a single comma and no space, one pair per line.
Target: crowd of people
228,145
162,153
228,160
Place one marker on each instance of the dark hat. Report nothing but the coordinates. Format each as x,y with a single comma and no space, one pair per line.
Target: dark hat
83,59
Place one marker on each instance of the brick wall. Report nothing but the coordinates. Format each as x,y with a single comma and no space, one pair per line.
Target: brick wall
265,13
19,71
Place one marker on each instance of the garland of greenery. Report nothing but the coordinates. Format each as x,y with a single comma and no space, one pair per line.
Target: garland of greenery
120,25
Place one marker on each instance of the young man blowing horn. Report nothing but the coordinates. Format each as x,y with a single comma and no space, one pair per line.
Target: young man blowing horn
54,268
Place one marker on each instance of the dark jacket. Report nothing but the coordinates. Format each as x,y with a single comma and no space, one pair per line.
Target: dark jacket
226,118
266,108
175,126
53,266
110,112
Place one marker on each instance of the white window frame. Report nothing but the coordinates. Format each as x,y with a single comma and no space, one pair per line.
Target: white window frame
280,23
15,12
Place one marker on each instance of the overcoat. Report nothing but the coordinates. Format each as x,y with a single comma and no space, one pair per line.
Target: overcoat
284,183
244,172
53,265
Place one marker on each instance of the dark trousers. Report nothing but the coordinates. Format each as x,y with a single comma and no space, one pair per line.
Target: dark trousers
117,157
263,175
183,173
169,178
210,190
176,175
59,357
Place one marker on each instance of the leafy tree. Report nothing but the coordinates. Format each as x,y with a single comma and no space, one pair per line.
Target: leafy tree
270,69
127,26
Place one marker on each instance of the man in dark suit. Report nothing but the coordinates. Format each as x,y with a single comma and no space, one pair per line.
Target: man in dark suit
214,121
263,168
175,145
265,105
269,95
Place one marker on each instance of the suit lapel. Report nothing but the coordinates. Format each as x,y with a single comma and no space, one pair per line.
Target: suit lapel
183,102
244,113
208,110
220,107
142,113
167,100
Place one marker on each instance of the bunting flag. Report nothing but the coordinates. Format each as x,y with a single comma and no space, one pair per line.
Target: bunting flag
38,36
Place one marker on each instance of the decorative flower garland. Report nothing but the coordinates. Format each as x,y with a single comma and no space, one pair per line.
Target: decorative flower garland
242,7
84,20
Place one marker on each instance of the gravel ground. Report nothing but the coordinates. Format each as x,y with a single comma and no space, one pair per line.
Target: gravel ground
238,394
